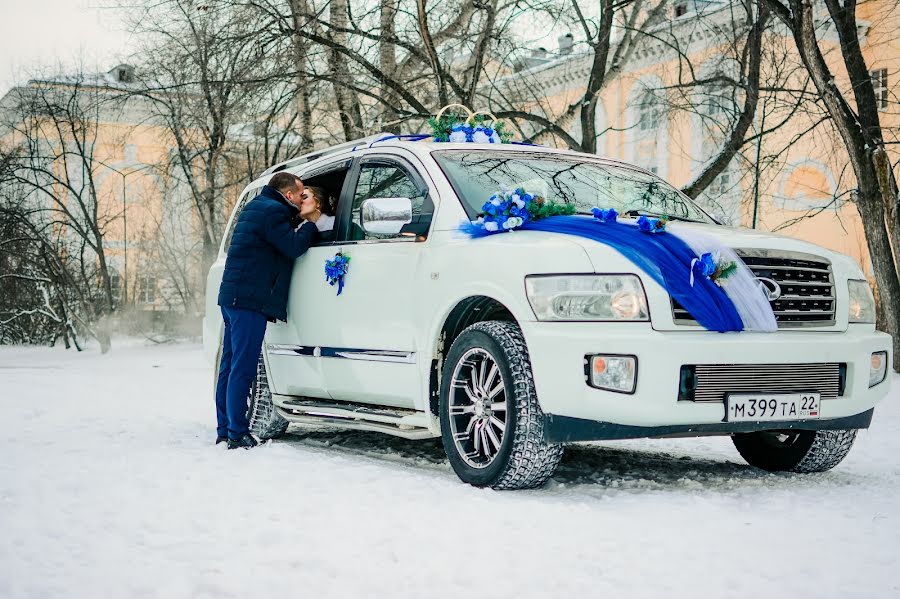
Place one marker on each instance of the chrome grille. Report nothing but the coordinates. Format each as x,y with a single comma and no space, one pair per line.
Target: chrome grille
711,382
807,288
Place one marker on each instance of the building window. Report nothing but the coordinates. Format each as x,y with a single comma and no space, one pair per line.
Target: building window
115,284
879,82
649,112
146,289
721,184
681,9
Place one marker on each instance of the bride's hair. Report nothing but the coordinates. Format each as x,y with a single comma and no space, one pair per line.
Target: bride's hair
324,199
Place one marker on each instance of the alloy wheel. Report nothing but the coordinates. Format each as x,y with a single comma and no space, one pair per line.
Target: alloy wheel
477,406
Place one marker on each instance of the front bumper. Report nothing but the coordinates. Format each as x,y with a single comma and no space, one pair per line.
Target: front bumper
576,411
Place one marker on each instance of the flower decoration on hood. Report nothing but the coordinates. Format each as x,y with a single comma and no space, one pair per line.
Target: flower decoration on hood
509,210
336,270
605,215
652,225
713,268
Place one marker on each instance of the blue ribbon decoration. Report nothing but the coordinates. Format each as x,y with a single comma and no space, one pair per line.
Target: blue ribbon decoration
664,258
336,269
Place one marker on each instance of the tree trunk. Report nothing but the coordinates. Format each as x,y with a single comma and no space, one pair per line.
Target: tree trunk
348,106
301,52
860,142
387,63
734,142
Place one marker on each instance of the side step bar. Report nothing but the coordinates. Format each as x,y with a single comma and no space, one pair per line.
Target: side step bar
400,422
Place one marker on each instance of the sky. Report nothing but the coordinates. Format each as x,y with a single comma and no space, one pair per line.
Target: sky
49,34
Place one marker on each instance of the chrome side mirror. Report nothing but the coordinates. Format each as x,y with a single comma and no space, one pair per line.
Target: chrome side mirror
385,216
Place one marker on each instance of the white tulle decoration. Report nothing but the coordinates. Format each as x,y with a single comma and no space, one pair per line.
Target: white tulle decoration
741,287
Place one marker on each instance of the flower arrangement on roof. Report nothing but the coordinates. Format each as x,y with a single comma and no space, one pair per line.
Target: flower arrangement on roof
477,127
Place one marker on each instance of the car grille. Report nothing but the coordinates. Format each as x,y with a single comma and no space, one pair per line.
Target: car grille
806,282
711,382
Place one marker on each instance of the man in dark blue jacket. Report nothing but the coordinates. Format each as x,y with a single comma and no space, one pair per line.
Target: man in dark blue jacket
254,291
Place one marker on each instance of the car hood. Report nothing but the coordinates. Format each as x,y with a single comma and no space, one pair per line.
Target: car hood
743,238
605,260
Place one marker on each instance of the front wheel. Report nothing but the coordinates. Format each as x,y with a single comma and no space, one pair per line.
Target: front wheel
794,451
265,421
492,426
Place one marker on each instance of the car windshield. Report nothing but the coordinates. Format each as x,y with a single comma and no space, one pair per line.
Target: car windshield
478,174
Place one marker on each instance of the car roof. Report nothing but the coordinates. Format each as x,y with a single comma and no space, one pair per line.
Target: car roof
422,148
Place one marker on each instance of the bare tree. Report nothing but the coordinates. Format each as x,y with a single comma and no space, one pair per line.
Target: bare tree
748,81
55,168
854,115
203,71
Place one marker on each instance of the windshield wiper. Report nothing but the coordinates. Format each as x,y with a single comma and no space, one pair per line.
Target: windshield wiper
658,215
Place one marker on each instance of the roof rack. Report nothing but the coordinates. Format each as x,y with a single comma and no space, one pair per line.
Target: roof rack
324,152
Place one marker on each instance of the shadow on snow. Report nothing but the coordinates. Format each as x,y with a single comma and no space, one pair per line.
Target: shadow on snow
582,465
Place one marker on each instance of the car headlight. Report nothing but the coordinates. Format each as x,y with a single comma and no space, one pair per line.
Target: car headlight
587,297
862,302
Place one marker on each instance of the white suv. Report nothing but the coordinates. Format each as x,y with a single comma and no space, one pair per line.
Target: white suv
511,345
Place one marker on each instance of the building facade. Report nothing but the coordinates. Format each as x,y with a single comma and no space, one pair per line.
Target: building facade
793,178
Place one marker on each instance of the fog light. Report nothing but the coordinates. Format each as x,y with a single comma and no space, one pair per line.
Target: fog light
877,368
611,372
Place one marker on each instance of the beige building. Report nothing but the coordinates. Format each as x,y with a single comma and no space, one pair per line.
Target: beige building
119,167
804,181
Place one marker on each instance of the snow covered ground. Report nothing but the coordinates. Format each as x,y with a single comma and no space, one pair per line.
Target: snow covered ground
110,486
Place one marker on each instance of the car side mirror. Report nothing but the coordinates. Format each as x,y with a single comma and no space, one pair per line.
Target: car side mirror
385,216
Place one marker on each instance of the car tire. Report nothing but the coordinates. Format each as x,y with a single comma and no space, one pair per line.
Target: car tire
794,451
481,452
265,421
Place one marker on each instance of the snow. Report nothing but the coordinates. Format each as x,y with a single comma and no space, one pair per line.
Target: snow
110,486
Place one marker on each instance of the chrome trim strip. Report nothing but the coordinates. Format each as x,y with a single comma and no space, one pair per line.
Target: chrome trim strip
289,350
371,355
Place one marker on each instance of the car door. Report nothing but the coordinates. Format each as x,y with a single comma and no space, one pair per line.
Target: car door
292,348
371,355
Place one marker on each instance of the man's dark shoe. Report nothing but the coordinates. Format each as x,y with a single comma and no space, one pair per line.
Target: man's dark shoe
246,442
221,440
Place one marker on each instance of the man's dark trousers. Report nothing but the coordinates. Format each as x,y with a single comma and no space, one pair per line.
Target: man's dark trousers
241,346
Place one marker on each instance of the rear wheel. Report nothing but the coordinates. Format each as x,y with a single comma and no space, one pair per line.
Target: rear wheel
492,426
794,451
265,422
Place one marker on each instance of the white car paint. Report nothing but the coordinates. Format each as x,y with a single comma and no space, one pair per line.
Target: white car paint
399,293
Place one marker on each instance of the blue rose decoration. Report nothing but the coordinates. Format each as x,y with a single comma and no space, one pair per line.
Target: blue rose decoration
705,266
651,225
605,215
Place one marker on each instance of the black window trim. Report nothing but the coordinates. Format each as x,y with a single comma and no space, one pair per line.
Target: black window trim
345,204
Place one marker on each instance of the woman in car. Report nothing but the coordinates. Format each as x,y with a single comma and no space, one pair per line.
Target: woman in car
318,206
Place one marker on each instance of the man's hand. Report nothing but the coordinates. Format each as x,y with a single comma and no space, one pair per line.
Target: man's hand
296,220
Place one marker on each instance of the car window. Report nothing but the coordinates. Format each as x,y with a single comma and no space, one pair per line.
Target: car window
390,180
242,201
585,183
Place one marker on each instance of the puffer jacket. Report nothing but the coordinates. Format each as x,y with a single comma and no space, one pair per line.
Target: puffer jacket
261,256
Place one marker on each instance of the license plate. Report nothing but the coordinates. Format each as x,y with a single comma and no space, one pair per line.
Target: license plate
762,407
